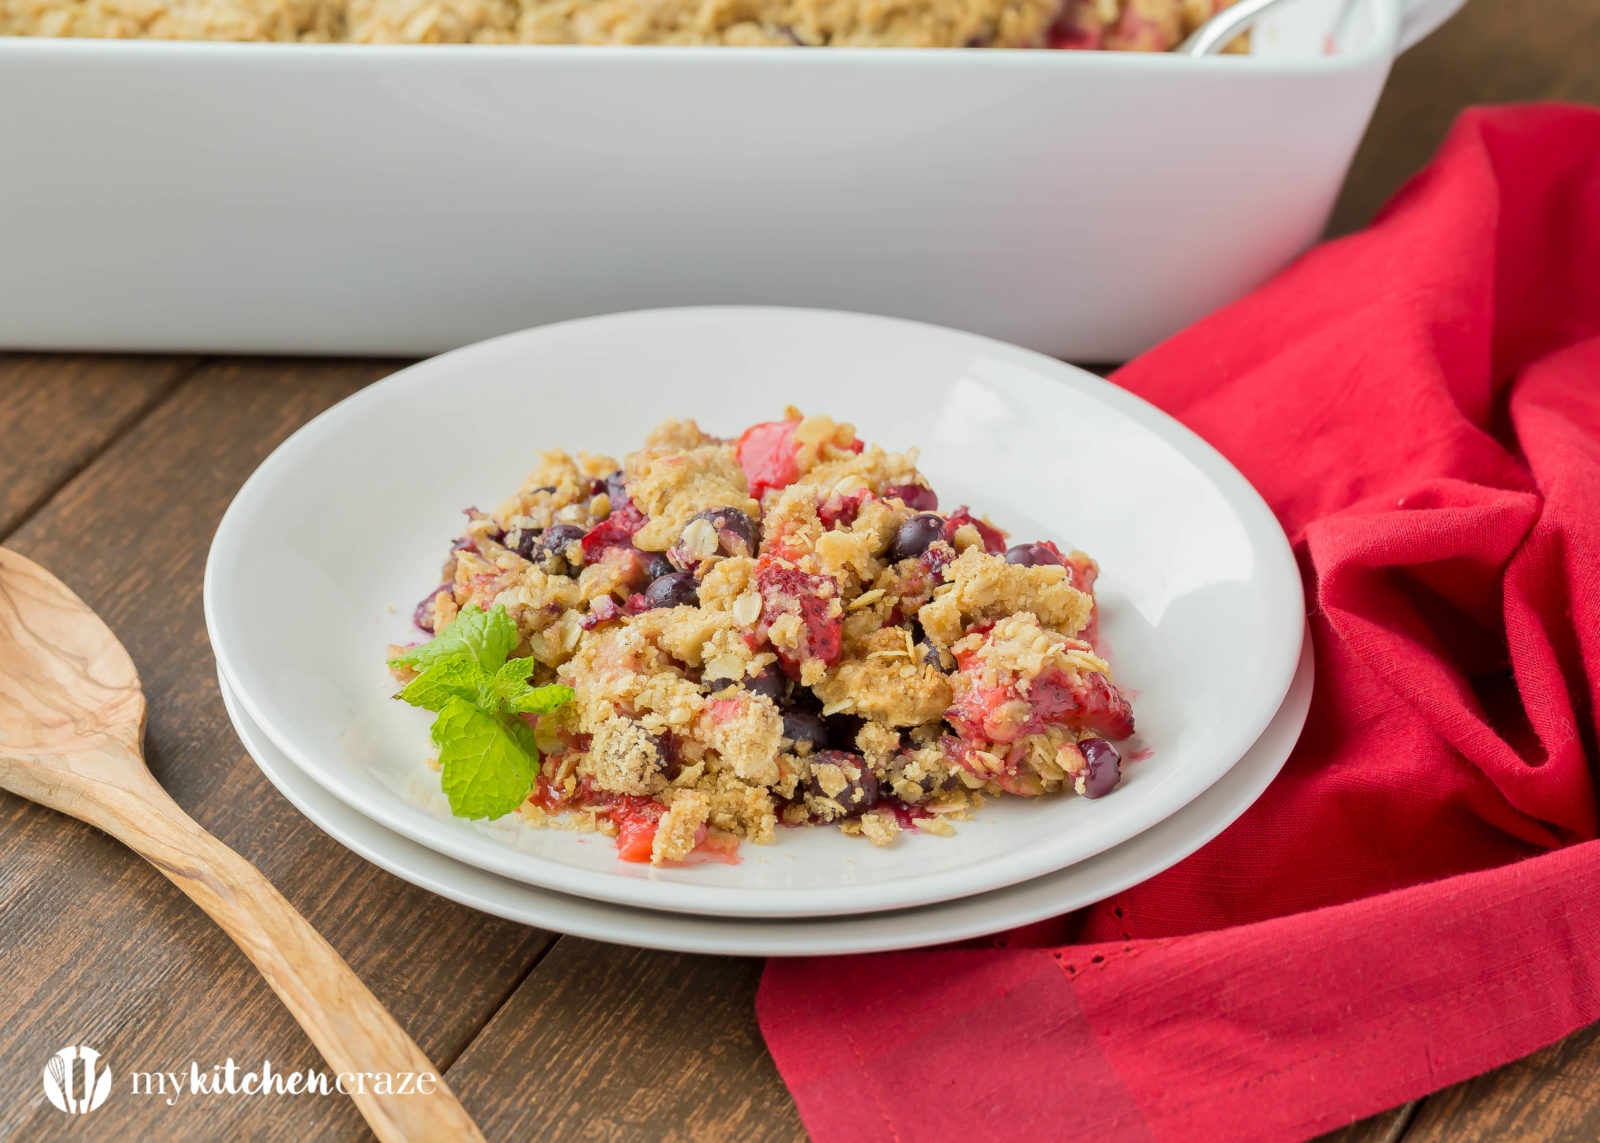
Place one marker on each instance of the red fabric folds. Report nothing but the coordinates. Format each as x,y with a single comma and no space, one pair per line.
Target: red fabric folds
1409,903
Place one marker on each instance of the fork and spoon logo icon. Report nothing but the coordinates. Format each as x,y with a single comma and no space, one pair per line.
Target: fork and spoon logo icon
75,1080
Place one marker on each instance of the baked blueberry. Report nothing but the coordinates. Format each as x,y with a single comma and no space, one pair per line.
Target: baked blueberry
1105,767
805,729
678,589
914,536
1032,555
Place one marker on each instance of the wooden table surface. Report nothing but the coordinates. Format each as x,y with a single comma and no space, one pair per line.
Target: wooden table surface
114,472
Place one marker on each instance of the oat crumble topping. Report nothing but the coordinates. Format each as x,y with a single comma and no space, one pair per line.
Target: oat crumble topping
782,628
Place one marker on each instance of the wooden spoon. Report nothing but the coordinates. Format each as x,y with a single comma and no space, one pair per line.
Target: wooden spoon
71,728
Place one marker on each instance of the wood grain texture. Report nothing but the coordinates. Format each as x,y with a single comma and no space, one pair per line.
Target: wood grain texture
94,946
1552,1096
71,738
1492,51
604,1042
56,412
1387,1127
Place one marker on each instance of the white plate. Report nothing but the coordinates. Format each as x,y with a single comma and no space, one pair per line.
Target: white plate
317,563
1158,848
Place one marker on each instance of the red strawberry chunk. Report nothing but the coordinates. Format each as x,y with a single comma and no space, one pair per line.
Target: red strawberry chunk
602,610
993,714
767,454
1084,574
1084,700
787,590
994,540
615,531
637,820
841,509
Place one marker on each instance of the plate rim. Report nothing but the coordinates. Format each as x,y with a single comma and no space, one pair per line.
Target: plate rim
826,936
1261,526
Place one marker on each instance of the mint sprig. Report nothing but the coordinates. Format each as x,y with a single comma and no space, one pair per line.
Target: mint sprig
486,749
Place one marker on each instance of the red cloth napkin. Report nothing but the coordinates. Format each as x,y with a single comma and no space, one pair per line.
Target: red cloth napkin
1413,900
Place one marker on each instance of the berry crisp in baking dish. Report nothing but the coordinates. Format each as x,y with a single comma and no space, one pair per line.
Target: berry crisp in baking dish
721,637
1112,25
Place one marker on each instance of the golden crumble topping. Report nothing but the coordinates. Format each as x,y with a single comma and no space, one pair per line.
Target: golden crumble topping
782,627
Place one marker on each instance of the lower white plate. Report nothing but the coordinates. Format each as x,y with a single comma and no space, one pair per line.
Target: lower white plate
1094,879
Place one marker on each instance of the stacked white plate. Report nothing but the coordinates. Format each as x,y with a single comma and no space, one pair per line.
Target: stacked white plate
316,566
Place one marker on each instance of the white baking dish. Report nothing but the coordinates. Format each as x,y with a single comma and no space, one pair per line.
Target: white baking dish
393,199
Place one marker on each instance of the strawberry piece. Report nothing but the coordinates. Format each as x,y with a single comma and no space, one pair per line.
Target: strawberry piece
767,454
787,590
637,820
994,540
602,610
1087,701
615,531
1084,700
716,847
992,714
841,509
1084,574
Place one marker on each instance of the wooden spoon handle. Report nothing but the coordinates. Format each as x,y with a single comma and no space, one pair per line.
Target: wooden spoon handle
354,1032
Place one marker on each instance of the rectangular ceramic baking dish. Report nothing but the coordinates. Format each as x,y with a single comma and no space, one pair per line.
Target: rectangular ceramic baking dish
398,199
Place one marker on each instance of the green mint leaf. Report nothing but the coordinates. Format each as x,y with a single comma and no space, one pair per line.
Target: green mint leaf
524,735
516,695
461,677
542,700
488,638
488,766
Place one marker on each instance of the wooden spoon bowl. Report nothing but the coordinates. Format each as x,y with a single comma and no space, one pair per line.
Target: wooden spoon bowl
71,732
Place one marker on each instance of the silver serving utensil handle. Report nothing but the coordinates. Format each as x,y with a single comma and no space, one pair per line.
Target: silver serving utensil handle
1418,18
1217,32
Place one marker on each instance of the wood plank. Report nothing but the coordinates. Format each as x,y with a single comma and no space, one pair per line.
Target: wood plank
1552,1096
1388,1127
97,947
1493,51
605,1042
56,413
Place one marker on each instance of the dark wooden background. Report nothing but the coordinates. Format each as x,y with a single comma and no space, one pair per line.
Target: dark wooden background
114,472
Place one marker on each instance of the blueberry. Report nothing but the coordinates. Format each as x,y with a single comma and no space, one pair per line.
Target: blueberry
844,727
913,496
806,730
676,590
660,566
669,759
615,488
553,552
523,540
423,615
914,537
769,682
737,534
862,791
1105,769
1032,555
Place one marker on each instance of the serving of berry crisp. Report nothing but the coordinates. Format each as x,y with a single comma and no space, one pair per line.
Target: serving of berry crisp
718,637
